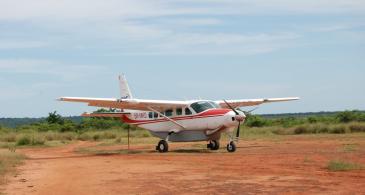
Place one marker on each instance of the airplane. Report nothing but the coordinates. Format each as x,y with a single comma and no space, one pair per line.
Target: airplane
178,121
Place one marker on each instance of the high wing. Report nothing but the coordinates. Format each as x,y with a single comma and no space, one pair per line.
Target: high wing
128,104
253,102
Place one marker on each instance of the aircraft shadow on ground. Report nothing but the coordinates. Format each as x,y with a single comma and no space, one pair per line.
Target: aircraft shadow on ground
135,152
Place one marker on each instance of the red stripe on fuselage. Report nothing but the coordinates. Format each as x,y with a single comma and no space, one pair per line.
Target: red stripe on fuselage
205,114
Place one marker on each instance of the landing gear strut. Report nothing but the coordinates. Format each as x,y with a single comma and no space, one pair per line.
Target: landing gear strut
162,146
213,145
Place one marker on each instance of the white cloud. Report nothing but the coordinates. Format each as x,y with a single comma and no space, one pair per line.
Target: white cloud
135,26
194,22
68,72
216,43
20,44
283,7
123,9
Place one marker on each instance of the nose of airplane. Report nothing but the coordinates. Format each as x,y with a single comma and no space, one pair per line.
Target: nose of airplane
233,118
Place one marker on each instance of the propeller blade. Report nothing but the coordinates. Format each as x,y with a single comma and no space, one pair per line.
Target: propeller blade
234,110
247,112
238,129
252,110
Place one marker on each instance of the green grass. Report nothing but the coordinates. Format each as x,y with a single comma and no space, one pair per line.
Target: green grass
34,138
350,147
8,162
337,165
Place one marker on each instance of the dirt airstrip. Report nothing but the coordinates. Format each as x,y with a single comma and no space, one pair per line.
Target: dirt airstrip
287,165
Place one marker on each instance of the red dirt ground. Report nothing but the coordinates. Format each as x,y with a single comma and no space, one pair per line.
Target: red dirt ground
289,165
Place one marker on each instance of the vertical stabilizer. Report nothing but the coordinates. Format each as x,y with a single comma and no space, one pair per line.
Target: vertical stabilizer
125,92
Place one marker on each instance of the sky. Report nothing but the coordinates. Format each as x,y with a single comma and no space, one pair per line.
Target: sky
181,50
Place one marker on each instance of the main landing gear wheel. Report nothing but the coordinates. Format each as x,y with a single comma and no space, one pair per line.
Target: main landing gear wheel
213,145
231,147
162,146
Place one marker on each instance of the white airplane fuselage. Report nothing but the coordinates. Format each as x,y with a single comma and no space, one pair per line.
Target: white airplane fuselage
206,125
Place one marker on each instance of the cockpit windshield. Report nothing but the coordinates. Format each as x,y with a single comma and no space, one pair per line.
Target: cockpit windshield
203,106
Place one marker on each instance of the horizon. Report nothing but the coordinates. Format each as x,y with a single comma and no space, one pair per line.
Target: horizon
181,50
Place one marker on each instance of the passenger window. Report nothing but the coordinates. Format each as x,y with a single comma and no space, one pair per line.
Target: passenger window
155,115
187,111
150,115
179,111
168,113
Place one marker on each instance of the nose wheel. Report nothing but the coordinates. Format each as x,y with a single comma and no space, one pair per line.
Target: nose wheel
231,147
162,146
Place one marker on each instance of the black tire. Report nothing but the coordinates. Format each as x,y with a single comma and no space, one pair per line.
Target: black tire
231,147
162,146
213,145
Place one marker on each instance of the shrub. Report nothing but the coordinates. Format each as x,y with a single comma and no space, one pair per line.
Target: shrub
348,116
25,140
256,121
300,130
96,137
118,140
68,127
84,137
312,119
338,129
37,141
357,127
68,136
343,166
100,123
10,137
322,128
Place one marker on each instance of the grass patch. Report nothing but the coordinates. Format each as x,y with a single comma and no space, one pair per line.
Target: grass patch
307,159
8,162
337,165
350,148
28,140
97,152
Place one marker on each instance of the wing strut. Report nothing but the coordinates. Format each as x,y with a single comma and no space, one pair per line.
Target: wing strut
166,117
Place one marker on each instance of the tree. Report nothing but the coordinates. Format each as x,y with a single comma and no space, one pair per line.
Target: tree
347,116
54,118
256,121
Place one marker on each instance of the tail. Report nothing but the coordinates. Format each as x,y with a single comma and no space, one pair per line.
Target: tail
125,92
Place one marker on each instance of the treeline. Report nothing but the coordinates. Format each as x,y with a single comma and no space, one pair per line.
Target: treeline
16,122
333,118
339,123
268,118
55,122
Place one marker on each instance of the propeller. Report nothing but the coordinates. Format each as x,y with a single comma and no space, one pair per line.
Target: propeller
238,117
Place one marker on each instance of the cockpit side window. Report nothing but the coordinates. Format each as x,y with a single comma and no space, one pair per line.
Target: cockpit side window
188,111
215,105
201,106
